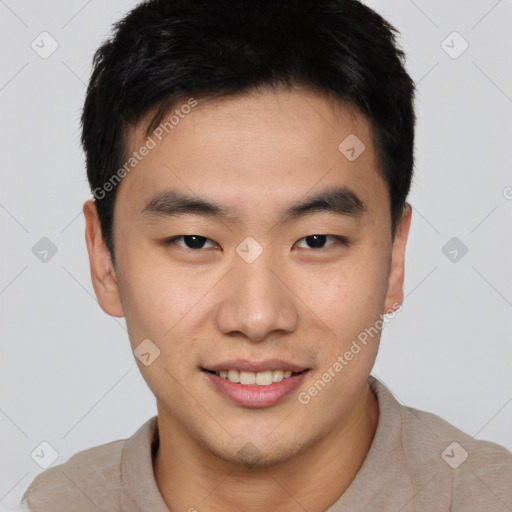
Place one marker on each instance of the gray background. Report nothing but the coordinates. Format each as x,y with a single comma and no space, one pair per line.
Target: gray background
67,375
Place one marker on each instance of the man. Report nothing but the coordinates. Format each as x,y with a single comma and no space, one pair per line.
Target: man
250,164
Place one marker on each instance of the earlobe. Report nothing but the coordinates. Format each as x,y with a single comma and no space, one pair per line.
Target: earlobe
103,275
395,295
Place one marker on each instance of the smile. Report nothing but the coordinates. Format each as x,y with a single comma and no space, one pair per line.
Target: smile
245,378
254,389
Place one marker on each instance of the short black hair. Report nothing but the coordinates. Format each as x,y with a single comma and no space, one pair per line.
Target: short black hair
166,50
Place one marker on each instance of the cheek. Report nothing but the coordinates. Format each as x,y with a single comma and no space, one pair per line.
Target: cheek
150,295
161,302
159,306
349,296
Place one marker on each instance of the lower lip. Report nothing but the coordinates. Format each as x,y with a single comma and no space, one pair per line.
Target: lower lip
252,395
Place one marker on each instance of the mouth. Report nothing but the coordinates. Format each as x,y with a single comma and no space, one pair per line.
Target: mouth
247,378
255,389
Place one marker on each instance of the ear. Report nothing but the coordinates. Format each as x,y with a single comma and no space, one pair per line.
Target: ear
395,295
103,274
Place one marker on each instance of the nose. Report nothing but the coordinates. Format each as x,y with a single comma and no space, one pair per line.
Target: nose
256,300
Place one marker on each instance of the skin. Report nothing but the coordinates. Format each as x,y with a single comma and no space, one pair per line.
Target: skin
257,153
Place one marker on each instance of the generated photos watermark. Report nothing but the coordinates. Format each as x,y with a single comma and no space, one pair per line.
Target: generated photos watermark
137,156
342,361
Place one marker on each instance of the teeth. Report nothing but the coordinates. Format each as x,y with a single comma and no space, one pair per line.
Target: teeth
264,378
277,375
233,376
261,378
247,378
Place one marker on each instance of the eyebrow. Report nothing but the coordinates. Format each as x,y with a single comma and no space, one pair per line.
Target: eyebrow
340,201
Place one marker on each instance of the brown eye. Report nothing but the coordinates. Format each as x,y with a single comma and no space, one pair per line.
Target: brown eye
318,241
193,242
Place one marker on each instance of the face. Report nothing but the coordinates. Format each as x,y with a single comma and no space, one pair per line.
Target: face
224,261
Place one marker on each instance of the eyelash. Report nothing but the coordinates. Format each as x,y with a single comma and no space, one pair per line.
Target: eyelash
340,240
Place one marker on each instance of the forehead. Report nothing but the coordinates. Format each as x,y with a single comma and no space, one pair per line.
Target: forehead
256,149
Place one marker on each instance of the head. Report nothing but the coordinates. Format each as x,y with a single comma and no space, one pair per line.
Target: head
253,127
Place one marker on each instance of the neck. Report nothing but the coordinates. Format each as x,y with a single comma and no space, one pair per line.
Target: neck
190,477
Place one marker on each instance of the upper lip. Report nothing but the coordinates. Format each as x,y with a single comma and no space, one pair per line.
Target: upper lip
256,366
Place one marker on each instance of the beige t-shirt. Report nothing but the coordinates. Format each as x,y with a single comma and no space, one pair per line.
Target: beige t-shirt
417,463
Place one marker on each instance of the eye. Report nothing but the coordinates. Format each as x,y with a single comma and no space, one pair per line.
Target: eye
191,241
318,241
197,242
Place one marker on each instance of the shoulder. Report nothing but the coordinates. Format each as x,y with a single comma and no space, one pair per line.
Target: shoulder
443,465
429,433
88,478
478,473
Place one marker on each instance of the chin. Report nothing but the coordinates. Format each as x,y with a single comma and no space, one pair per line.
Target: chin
254,455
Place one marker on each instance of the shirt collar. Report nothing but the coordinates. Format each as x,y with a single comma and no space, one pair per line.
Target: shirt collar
138,479
383,467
